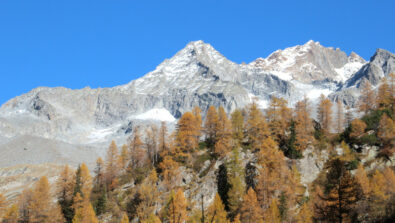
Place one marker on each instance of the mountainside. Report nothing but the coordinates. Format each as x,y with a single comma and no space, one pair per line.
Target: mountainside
198,75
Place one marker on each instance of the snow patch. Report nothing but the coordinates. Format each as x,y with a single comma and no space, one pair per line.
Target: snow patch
159,114
262,104
347,70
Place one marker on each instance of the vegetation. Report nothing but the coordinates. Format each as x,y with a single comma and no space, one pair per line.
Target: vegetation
144,180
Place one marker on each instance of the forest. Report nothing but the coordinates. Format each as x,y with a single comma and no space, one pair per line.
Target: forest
254,153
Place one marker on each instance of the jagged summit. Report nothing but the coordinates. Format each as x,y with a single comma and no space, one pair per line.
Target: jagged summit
197,75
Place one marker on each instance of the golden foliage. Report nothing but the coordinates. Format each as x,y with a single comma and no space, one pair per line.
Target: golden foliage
250,212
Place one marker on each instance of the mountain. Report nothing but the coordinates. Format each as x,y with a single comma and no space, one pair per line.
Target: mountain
77,125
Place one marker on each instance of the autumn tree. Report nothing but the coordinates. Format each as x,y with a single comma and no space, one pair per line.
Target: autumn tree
124,218
170,172
211,126
84,212
367,100
341,194
83,181
279,117
357,128
24,201
303,125
363,180
384,97
137,153
272,214
151,144
325,114
339,116
237,120
237,186
256,127
305,214
149,196
3,204
175,211
386,129
123,158
11,215
163,143
65,190
216,211
197,112
41,207
250,211
223,142
186,134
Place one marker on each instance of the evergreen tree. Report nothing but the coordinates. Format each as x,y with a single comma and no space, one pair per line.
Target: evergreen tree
223,185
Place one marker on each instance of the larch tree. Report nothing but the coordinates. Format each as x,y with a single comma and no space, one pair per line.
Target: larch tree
250,211
111,166
149,196
151,144
384,97
342,192
305,214
24,201
339,116
378,196
170,172
237,185
272,214
211,126
279,117
256,127
123,158
363,180
197,112
163,143
386,129
237,120
3,204
152,219
224,134
236,219
11,215
136,150
124,218
367,100
175,210
85,213
186,134
41,207
65,190
216,211
357,128
99,179
304,125
325,114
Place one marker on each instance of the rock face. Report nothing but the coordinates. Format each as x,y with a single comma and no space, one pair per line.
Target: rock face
198,75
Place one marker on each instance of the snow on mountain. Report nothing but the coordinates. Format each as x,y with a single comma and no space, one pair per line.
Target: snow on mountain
159,114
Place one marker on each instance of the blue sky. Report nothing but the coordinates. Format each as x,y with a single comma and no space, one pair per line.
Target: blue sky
106,43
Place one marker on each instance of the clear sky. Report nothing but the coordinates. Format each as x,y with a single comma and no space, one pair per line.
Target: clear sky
103,43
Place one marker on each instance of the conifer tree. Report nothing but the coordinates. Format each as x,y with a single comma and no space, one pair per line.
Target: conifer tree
41,208
136,150
357,128
250,212
86,181
236,219
256,127
216,211
163,144
148,194
152,219
384,97
187,133
11,215
151,144
24,201
238,126
175,209
123,158
224,134
272,214
339,116
325,114
378,196
341,195
170,172
125,218
303,125
279,117
211,126
386,129
363,180
85,214
367,100
198,121
237,186
65,189
305,214
111,166
3,204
